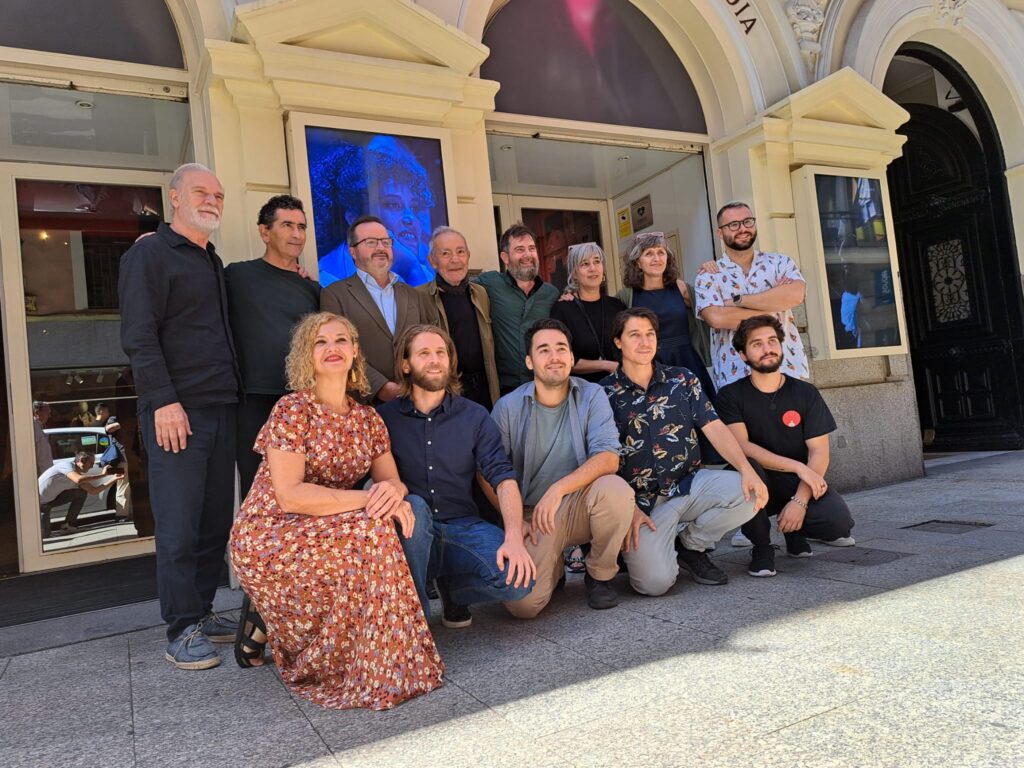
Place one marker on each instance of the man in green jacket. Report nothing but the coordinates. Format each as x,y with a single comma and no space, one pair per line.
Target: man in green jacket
518,299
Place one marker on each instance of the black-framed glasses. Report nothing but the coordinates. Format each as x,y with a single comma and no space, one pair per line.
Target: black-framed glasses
734,226
376,241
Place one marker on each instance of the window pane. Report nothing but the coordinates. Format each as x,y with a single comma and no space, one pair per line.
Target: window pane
54,125
72,238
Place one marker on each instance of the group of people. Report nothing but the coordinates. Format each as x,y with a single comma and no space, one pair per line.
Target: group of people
461,436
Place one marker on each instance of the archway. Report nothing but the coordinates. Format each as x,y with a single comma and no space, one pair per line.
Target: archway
958,265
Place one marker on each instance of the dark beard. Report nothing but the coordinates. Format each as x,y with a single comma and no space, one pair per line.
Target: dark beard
430,385
769,368
742,248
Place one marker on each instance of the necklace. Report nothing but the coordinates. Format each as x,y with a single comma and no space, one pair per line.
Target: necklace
771,400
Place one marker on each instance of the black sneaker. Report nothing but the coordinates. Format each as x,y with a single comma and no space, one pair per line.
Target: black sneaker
600,594
453,615
701,569
762,561
797,546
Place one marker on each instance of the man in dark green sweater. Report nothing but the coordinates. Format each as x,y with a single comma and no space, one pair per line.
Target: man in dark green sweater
518,299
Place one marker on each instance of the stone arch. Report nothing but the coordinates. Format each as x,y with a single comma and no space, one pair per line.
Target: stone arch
983,37
985,41
733,84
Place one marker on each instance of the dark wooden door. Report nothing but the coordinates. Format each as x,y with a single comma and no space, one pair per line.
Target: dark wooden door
961,289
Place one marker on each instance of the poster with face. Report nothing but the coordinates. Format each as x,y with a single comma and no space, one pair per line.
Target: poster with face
399,179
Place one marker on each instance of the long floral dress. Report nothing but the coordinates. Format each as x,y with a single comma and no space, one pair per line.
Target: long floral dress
345,624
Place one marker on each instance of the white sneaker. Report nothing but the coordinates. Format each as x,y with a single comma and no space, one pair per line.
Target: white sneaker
740,541
842,541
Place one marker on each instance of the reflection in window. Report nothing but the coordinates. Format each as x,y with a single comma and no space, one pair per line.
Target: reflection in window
72,239
858,265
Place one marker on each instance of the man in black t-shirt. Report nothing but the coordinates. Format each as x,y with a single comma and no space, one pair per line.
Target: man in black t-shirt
266,298
783,424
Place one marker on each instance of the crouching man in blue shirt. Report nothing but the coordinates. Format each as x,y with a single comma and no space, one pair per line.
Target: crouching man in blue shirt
440,440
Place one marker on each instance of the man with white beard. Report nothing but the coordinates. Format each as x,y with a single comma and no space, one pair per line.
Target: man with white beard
519,298
174,329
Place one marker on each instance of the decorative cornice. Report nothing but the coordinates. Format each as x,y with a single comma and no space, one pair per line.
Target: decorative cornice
950,12
806,18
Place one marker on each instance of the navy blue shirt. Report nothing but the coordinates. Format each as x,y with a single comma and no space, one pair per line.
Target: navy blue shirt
439,453
174,323
658,430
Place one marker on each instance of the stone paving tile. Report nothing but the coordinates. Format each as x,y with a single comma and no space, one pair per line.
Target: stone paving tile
350,729
472,741
4,663
222,716
66,706
907,728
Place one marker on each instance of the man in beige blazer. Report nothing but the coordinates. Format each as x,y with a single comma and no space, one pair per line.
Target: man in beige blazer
377,303
464,310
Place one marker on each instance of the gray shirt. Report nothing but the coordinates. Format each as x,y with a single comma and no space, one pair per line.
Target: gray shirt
551,454
55,479
590,429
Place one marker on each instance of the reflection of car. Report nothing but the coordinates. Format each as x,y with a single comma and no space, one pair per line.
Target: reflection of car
65,442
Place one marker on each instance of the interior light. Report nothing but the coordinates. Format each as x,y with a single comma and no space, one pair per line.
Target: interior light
44,235
505,147
68,380
623,158
84,104
79,379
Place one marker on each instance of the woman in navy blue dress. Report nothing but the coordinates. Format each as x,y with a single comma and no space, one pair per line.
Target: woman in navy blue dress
652,280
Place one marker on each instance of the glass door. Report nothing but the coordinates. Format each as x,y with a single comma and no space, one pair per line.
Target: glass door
559,223
62,236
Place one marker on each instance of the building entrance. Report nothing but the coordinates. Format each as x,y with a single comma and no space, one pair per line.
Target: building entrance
963,298
572,192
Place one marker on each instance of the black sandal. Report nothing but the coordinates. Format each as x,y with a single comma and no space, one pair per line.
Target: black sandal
247,649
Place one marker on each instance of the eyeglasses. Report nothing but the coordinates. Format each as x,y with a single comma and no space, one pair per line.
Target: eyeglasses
734,226
373,242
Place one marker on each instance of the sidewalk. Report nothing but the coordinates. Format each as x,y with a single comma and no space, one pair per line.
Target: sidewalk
907,650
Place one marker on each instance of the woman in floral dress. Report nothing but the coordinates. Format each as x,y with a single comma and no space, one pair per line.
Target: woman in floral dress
321,562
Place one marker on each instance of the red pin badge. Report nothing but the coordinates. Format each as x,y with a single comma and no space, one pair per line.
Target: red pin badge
791,418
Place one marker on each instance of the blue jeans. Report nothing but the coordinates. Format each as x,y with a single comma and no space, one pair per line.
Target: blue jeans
461,552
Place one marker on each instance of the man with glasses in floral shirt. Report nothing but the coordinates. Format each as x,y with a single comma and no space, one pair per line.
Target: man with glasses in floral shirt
658,410
744,283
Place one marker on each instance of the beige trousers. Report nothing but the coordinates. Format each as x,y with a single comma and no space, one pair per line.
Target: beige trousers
599,513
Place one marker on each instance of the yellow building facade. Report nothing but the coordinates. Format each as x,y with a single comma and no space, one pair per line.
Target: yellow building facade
796,97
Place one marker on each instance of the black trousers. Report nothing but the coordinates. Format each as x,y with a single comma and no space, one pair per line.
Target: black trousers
193,497
827,518
77,498
252,415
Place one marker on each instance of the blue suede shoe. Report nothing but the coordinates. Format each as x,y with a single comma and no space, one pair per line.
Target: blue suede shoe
192,650
218,627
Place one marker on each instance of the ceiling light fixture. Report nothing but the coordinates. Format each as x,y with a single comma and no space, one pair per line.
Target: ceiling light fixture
84,104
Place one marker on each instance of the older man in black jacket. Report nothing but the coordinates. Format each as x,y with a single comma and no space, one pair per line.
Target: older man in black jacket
174,329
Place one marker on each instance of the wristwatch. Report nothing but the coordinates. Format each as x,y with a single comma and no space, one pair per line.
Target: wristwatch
737,298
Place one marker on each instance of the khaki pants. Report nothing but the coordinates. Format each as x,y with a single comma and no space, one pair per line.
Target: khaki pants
599,513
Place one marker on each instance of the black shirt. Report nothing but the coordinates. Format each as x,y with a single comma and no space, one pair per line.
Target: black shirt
439,453
590,323
462,325
174,323
779,422
264,304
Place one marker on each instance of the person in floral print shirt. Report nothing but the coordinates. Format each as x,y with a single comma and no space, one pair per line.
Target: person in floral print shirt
744,283
658,410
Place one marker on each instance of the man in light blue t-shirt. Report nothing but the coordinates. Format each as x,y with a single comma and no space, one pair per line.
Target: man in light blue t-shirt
564,445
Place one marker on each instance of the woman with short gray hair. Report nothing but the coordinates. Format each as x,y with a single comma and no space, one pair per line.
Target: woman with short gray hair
589,313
